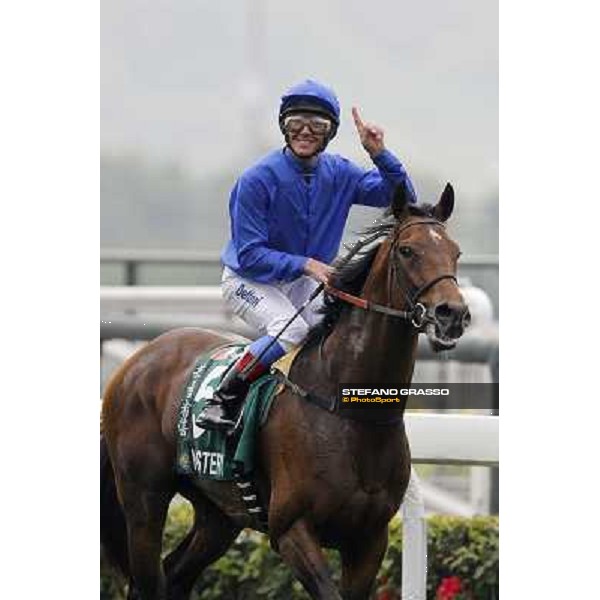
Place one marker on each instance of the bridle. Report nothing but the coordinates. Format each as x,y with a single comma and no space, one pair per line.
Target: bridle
417,314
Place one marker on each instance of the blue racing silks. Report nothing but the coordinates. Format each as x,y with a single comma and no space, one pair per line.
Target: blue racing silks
282,214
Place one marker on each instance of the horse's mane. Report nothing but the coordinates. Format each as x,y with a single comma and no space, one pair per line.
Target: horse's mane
351,276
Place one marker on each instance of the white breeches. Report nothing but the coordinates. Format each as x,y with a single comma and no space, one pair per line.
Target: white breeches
268,307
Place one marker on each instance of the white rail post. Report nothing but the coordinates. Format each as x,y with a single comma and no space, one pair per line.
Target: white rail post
414,542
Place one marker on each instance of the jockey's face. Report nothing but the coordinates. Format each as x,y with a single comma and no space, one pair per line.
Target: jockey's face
306,133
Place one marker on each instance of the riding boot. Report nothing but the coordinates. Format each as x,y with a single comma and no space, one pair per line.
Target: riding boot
223,409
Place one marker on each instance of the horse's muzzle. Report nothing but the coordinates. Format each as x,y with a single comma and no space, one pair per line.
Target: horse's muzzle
448,323
452,319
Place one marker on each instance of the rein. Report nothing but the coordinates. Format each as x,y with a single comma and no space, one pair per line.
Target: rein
408,315
417,313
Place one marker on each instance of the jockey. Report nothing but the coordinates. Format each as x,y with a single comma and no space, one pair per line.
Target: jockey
288,213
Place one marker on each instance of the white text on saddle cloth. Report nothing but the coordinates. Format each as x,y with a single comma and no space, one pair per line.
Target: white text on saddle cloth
208,462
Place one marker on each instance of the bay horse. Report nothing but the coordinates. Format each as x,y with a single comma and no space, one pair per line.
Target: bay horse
327,480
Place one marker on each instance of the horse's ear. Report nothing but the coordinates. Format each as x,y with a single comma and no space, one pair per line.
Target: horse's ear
443,209
400,202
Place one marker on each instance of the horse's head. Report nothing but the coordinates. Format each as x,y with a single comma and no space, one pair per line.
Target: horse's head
422,263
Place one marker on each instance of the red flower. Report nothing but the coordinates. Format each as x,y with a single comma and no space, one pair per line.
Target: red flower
449,588
385,591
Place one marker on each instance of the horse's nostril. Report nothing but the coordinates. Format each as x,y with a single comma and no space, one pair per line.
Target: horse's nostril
443,311
452,319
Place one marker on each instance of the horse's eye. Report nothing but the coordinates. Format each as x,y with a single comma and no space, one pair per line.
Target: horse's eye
405,251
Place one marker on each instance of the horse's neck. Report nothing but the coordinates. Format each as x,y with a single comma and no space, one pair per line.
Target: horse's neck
368,346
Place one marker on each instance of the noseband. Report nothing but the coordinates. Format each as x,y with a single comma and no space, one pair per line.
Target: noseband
417,314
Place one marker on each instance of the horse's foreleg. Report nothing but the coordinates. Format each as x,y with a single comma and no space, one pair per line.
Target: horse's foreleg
146,513
300,549
361,560
210,537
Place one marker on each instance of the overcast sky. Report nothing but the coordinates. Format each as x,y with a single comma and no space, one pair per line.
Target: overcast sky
198,82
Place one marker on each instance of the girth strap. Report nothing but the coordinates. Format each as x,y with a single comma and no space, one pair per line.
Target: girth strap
330,403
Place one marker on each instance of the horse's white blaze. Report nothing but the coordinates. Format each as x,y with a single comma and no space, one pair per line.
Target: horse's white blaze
435,235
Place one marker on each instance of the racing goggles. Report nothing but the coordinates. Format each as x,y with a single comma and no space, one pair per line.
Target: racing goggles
294,124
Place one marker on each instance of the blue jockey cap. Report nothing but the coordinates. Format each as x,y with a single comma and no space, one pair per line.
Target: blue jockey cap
314,97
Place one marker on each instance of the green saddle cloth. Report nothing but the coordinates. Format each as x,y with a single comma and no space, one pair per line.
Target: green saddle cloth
212,454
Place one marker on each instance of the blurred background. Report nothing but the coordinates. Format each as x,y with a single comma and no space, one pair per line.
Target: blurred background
189,98
190,93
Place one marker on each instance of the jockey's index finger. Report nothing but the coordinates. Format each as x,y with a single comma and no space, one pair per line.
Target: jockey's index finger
357,120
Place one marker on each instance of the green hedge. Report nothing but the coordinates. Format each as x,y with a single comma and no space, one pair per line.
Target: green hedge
462,564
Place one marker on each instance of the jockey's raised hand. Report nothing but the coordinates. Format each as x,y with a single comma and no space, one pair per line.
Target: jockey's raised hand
371,136
318,270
